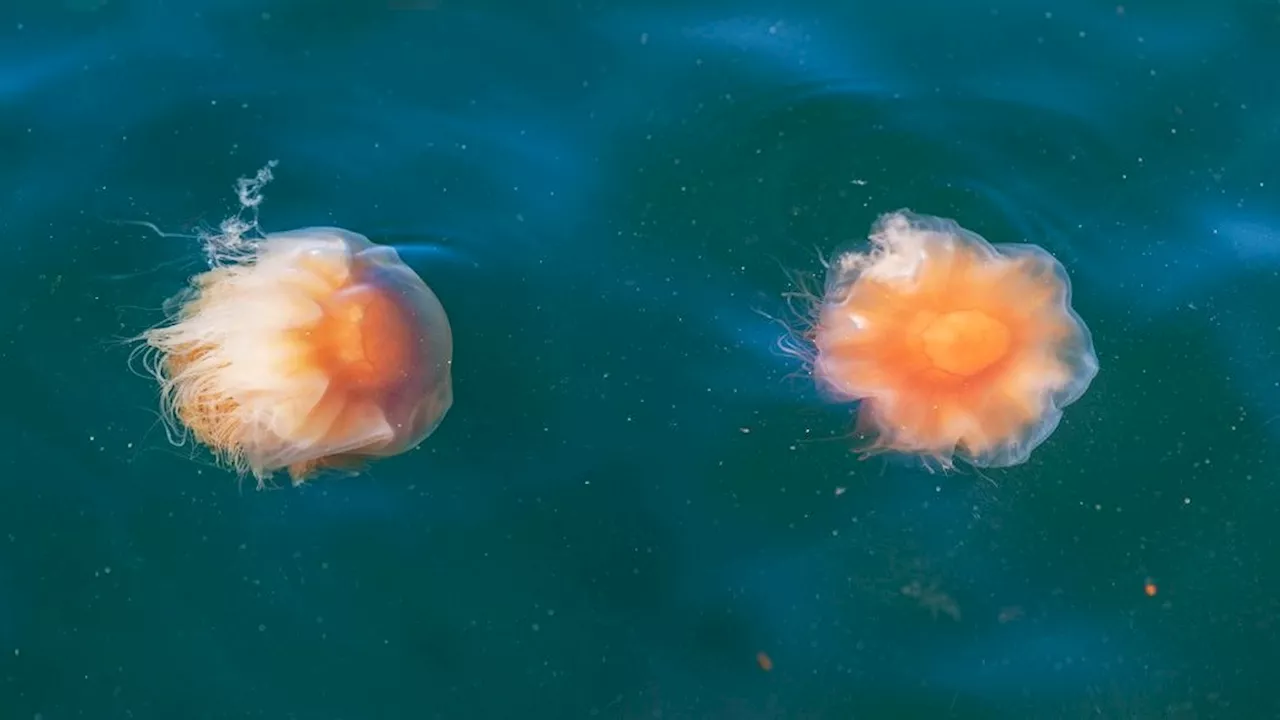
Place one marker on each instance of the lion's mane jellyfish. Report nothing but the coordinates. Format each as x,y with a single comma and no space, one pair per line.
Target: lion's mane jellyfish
305,350
957,349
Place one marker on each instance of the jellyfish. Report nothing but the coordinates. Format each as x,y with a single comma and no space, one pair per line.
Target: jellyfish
955,349
304,351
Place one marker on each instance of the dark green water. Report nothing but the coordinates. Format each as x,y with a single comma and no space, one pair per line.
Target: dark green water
634,495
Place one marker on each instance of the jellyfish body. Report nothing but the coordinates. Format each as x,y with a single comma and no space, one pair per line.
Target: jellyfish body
955,348
311,349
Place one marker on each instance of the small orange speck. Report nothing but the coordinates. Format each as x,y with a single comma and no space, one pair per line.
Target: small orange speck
1149,587
766,664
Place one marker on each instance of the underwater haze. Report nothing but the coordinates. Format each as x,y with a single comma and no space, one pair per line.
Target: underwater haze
638,506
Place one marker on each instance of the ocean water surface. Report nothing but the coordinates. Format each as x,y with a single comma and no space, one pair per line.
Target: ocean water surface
638,507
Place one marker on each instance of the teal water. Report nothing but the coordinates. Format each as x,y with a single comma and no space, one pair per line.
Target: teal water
634,493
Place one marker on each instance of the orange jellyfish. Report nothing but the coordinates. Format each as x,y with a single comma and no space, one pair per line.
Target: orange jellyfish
957,349
305,350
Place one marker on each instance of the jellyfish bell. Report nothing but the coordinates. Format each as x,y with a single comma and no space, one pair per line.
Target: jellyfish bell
955,349
302,351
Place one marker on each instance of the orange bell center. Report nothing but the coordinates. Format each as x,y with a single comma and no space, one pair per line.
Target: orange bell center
965,342
367,340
